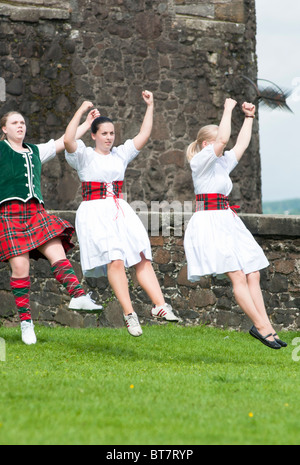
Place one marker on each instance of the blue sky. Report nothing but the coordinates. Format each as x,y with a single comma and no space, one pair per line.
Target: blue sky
278,51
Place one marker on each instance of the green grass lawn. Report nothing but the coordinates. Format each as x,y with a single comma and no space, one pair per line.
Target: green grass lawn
172,386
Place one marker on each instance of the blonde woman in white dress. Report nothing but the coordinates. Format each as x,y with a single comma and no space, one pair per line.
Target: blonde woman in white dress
110,234
216,240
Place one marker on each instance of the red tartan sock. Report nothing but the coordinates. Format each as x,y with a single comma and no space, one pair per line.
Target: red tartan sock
21,289
65,275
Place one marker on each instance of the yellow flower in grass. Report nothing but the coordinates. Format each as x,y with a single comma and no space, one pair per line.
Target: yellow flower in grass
131,386
250,414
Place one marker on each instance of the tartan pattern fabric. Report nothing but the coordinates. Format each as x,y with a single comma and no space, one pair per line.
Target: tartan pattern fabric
65,275
98,190
26,226
21,289
213,202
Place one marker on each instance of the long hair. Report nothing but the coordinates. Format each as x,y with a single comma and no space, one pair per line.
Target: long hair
3,122
207,133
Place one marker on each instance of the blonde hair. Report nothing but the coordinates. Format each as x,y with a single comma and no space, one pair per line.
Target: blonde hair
4,119
207,133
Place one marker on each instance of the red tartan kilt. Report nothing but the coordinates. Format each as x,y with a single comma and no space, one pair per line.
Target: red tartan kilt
26,226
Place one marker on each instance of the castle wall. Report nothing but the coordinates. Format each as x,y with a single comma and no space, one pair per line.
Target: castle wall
210,301
55,54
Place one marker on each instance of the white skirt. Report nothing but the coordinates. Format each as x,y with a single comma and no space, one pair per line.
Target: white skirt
217,241
106,233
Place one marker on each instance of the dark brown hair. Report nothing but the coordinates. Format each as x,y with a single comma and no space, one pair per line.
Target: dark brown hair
98,121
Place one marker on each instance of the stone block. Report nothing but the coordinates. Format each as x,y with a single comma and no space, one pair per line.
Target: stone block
112,316
176,157
8,306
68,318
202,298
233,11
148,25
204,10
284,225
90,321
206,26
15,87
162,256
182,278
285,266
33,16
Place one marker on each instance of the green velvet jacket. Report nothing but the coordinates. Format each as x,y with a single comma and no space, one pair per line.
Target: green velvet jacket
20,173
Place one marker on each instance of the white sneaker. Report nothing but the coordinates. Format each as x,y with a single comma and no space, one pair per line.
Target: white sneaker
133,325
165,312
84,302
28,334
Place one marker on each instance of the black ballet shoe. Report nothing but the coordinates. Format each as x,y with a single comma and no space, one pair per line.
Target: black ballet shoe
279,341
264,339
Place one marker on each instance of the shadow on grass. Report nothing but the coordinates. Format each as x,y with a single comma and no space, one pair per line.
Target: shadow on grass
160,344
178,345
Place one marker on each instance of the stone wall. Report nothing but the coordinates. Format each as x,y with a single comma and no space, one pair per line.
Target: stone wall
54,54
210,301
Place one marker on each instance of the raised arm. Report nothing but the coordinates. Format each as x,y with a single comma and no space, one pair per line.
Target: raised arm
224,130
145,132
74,131
81,130
245,133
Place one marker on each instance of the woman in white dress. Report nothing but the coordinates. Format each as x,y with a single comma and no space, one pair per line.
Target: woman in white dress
111,236
216,240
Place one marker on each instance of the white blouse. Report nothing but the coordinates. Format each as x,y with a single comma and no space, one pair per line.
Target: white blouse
211,173
94,167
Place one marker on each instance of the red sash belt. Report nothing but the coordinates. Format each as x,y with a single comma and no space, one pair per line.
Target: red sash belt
213,202
98,190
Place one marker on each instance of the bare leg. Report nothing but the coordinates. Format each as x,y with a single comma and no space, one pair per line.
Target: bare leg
247,303
20,266
53,250
118,280
149,282
253,280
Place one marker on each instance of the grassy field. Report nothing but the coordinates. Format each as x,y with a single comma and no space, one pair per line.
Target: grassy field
172,386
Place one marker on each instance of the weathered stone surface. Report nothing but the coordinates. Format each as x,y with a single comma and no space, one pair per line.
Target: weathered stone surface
209,301
33,10
15,87
67,318
7,308
188,53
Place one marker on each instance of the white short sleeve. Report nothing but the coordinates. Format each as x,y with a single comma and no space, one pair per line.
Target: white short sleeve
127,152
230,160
77,159
203,160
47,151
